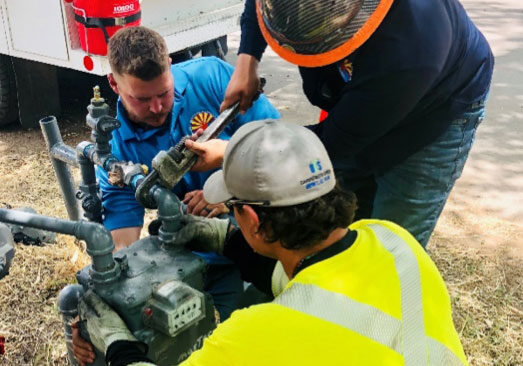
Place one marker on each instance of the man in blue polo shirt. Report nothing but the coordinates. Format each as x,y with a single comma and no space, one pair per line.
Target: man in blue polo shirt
158,105
404,83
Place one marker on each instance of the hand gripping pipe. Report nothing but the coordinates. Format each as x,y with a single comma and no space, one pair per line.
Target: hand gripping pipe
97,238
170,166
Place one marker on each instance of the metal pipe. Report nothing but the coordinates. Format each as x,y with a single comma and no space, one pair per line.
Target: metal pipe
102,126
91,203
91,152
7,249
64,153
169,212
38,221
87,170
97,239
52,138
68,307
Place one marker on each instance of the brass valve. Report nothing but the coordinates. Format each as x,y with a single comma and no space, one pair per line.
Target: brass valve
97,97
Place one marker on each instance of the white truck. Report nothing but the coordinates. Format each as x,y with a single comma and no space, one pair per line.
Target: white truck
37,37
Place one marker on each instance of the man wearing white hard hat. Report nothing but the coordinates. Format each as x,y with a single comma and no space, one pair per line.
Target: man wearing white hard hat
364,293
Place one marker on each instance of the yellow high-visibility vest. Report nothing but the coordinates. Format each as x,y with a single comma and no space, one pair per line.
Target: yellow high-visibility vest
380,302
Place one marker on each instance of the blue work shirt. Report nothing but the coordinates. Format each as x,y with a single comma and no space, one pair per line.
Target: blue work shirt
199,86
399,91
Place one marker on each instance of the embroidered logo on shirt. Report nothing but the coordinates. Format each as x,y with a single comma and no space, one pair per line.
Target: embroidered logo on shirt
201,120
345,69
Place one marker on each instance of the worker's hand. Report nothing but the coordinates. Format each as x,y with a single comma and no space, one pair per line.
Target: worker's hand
244,83
82,350
210,153
203,234
104,325
198,206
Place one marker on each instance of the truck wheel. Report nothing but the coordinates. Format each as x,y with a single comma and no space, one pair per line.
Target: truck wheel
8,97
217,47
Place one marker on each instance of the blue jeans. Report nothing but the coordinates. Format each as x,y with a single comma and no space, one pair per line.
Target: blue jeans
223,280
224,283
413,192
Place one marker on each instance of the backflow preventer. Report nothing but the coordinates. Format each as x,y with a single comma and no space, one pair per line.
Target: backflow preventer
155,284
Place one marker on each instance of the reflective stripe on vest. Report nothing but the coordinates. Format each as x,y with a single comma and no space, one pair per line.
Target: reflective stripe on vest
413,331
405,336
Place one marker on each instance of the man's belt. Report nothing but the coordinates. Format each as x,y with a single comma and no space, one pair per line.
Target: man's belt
92,22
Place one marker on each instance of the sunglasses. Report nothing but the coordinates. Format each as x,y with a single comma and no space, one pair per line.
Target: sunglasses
230,203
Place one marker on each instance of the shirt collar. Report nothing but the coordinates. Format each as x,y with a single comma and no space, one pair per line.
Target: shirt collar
332,250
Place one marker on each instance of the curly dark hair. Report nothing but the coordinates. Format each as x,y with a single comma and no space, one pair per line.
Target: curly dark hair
138,51
304,225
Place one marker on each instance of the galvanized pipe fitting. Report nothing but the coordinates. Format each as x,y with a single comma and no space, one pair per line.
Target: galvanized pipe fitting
61,155
97,238
68,307
88,190
169,212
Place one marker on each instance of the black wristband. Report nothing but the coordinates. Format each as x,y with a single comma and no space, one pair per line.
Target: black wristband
123,353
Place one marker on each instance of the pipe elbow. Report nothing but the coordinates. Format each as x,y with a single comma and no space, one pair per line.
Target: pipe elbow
167,201
98,238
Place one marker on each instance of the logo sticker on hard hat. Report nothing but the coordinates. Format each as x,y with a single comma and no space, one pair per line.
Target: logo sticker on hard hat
201,120
318,177
315,166
345,69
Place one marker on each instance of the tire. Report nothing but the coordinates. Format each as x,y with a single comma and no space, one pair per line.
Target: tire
217,47
8,97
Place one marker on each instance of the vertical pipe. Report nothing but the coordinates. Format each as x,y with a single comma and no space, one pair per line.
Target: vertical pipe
169,212
68,307
52,136
91,203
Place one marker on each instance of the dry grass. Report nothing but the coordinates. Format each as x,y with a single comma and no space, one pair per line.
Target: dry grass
30,319
485,284
487,301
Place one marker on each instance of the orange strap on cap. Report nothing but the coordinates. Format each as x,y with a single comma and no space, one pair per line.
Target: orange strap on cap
331,56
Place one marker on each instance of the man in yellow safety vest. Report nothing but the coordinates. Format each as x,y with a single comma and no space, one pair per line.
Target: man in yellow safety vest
364,293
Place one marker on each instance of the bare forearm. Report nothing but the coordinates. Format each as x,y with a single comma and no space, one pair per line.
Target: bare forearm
124,237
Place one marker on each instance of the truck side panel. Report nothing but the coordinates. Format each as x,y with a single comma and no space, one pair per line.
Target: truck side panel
4,48
37,27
